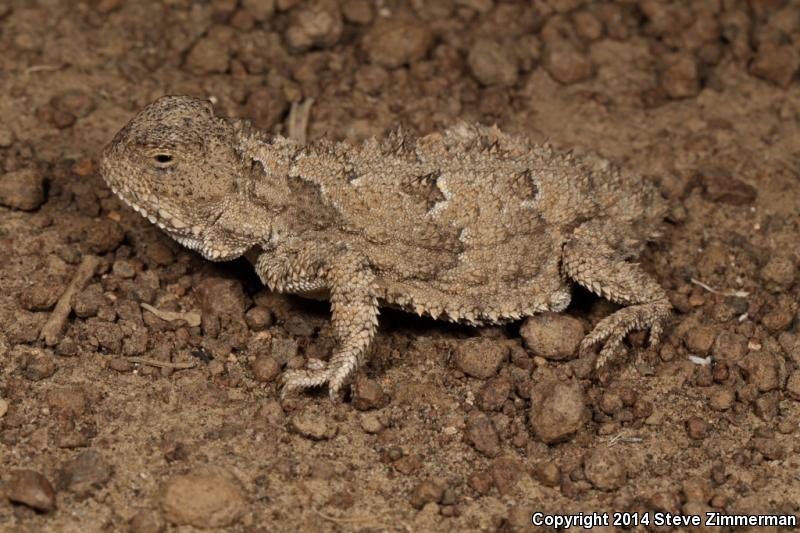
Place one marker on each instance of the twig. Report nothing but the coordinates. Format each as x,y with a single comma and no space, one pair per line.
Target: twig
709,288
192,318
297,123
161,364
51,332
43,68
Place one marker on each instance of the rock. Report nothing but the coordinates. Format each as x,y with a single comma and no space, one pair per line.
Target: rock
67,400
357,11
505,472
368,394
763,370
31,488
223,297
793,385
604,470
699,340
85,474
548,474
721,399
681,79
104,236
566,64
492,63
283,350
317,24
40,366
265,368
146,521
586,25
3,407
392,43
776,63
75,102
552,335
313,426
720,186
779,273
208,56
22,189
480,357
696,428
207,498
557,411
41,296
266,107
260,9
259,318
424,493
481,434
777,320
370,423
729,346
494,393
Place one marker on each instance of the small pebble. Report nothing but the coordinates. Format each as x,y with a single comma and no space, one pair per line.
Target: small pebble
370,423
40,367
424,493
604,470
548,474
481,434
265,369
557,410
779,273
552,335
696,428
85,474
259,318
3,407
32,489
392,43
681,79
777,64
566,64
494,393
368,394
318,24
720,186
260,9
793,385
208,56
699,340
22,189
207,498
492,63
313,426
762,369
146,521
506,472
480,357
222,297
722,399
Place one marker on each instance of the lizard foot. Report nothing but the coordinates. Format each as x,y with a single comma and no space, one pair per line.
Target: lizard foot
316,374
613,328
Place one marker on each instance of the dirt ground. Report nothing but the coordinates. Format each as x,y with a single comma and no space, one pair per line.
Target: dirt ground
124,420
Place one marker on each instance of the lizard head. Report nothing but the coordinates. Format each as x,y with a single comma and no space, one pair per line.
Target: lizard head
175,164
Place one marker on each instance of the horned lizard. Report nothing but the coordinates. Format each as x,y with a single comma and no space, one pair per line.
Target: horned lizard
470,225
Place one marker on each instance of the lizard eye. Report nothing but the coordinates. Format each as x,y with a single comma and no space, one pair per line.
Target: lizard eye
162,160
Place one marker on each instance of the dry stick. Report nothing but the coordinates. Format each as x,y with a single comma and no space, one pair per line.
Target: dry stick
160,364
51,332
297,123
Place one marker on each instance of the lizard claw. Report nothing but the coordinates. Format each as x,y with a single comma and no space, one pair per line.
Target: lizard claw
613,329
316,374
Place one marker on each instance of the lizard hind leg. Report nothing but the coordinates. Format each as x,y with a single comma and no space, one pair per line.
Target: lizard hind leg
593,265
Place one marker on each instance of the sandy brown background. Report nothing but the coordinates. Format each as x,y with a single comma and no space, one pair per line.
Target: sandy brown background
447,428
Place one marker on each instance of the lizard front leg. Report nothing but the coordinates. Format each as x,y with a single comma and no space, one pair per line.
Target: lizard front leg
592,263
347,276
